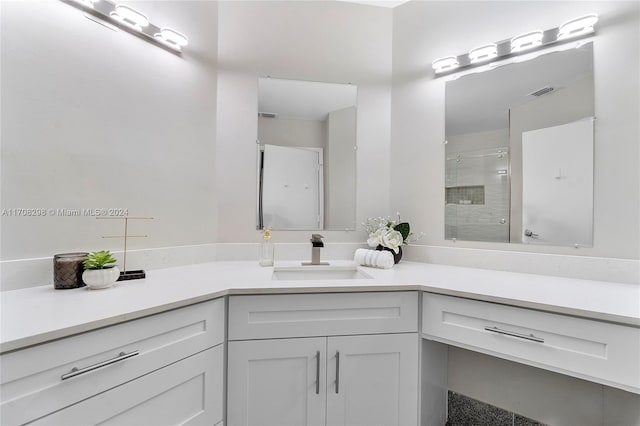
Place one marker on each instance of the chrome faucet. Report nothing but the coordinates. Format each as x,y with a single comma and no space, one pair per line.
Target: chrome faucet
316,245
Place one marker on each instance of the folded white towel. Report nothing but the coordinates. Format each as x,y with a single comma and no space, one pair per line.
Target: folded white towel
375,258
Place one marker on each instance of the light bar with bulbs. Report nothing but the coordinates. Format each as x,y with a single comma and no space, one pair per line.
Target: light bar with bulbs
524,43
133,21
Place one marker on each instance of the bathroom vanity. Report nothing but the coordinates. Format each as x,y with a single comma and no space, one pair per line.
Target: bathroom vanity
188,343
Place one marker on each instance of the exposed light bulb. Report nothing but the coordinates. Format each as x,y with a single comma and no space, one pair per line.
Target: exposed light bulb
445,64
526,41
483,53
130,17
87,3
172,38
578,26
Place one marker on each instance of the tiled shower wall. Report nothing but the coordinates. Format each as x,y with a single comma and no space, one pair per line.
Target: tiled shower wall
477,218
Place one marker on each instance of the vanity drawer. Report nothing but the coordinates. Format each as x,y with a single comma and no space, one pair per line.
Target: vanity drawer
35,381
325,314
589,349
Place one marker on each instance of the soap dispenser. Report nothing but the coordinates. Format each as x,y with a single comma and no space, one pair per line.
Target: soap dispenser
266,249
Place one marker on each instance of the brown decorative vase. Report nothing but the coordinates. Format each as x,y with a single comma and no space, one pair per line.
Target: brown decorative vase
67,270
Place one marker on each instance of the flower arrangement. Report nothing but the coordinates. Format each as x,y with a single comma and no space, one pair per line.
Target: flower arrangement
388,233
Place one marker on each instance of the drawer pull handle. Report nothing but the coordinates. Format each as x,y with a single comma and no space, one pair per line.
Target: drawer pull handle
75,371
337,372
530,337
317,372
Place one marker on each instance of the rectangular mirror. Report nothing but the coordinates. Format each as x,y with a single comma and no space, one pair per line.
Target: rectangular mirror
519,151
306,155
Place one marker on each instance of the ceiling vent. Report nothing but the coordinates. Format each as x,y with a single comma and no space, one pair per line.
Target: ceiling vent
542,91
268,114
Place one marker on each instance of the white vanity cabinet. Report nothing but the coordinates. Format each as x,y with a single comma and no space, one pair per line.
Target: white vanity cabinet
303,359
593,350
161,369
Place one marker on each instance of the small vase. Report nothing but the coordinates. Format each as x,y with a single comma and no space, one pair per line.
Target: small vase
396,256
100,278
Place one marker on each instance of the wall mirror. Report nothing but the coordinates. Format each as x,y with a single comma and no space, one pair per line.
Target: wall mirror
306,155
519,151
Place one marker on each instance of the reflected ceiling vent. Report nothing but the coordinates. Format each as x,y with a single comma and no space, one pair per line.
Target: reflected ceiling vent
542,91
268,114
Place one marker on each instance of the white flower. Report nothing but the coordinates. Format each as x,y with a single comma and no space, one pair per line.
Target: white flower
375,238
392,239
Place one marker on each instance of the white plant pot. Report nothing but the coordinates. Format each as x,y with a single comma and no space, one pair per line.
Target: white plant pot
100,278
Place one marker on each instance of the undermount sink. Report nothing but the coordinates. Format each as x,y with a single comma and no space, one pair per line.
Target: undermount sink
318,272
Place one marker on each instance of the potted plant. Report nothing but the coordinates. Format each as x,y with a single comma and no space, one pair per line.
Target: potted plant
388,234
100,270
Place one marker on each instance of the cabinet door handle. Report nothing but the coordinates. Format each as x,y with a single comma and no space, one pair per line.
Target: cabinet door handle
318,373
337,372
75,371
530,337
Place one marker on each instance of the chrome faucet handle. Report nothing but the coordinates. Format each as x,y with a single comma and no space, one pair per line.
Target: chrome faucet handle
316,240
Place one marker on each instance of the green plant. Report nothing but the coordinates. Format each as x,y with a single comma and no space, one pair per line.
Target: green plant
99,260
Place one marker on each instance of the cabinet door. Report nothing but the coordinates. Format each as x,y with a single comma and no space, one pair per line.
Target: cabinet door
277,382
188,392
372,380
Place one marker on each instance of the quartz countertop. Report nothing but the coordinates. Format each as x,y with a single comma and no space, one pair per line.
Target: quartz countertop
39,314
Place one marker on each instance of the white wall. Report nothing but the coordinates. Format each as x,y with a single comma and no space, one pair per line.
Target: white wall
319,41
93,118
292,132
424,31
340,158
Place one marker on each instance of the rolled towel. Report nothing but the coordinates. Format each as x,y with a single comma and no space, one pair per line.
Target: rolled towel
377,259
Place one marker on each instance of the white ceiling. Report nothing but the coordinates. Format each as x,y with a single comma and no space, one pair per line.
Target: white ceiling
307,100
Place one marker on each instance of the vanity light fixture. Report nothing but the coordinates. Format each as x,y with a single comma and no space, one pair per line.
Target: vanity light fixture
447,63
172,38
526,41
87,3
130,17
578,26
483,53
132,21
524,46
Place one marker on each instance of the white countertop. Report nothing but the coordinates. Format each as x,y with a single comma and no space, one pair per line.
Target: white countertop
35,315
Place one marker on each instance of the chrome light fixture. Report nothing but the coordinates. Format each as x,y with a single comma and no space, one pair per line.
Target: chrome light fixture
87,3
526,41
129,17
133,21
172,38
483,53
578,26
447,63
521,44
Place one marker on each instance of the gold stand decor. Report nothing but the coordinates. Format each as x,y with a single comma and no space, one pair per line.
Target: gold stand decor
124,274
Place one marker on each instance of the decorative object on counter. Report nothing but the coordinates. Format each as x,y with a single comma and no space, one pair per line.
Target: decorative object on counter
390,235
375,258
126,275
67,270
99,270
266,249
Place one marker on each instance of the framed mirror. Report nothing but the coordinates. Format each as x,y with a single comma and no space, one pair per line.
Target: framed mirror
306,155
519,151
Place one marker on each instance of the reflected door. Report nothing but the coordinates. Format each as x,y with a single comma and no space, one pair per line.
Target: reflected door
557,184
292,188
